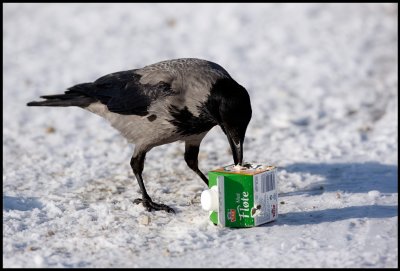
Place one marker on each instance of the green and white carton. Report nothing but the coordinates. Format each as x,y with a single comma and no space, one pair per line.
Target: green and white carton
241,196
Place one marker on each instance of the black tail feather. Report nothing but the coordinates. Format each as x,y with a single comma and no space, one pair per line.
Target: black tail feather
81,102
74,96
64,100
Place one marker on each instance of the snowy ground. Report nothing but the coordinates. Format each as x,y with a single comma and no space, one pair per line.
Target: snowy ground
324,89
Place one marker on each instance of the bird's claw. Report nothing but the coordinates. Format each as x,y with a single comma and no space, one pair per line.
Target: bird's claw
150,205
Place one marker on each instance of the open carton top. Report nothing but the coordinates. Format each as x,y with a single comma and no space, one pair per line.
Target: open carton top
246,169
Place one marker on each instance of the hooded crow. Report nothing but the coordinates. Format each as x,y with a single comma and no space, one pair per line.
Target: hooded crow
179,99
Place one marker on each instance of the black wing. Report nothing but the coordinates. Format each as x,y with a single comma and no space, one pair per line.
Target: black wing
123,93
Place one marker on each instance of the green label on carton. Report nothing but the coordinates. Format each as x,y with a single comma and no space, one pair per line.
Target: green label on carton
244,199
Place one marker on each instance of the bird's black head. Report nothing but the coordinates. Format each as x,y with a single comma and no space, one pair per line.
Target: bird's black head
229,105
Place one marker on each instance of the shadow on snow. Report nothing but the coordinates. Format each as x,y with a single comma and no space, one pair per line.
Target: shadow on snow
21,204
337,214
347,177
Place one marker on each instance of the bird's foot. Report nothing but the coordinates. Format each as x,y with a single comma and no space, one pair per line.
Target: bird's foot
150,205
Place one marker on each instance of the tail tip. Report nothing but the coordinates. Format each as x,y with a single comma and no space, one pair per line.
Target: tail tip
32,103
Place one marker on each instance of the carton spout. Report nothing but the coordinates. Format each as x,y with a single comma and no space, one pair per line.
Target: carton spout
209,199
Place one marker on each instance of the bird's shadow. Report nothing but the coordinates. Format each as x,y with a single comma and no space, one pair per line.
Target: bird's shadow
21,203
349,178
336,214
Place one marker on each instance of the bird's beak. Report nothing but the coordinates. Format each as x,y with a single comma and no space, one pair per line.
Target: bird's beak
237,150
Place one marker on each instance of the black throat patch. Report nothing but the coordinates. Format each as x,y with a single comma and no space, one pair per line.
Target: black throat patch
188,124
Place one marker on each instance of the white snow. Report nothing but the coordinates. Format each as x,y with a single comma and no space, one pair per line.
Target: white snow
324,88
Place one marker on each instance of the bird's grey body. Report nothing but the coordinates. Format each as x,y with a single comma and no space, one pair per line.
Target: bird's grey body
180,99
144,131
189,78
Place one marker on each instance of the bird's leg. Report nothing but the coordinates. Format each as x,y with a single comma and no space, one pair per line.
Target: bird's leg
191,158
137,164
